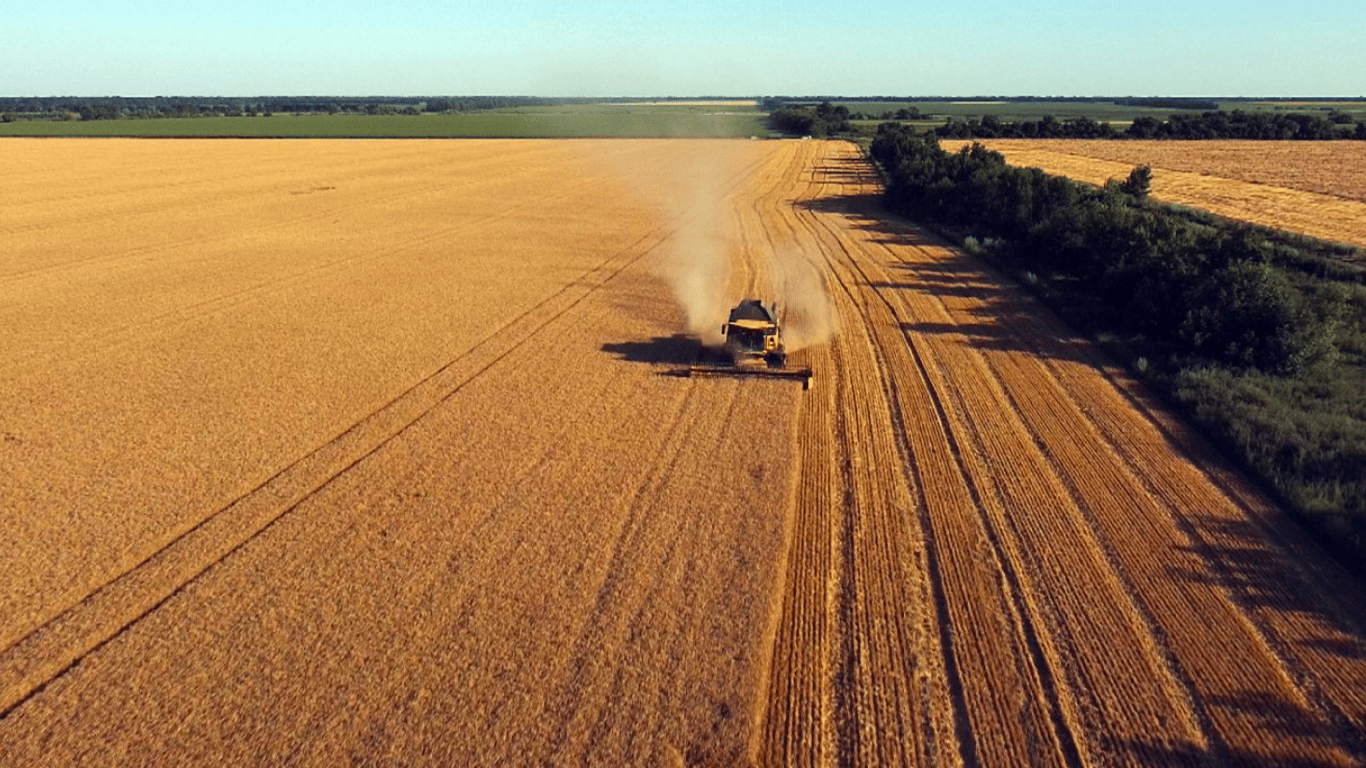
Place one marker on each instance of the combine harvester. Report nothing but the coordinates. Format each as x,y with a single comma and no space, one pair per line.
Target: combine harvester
754,347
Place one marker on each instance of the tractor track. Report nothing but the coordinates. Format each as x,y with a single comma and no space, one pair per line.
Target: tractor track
1043,747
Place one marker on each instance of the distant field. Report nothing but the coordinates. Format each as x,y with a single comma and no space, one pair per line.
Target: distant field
1315,188
709,120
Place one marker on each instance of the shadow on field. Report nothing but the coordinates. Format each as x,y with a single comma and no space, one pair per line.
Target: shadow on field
946,278
866,211
1004,322
1348,647
1238,557
990,335
678,349
1146,753
1283,719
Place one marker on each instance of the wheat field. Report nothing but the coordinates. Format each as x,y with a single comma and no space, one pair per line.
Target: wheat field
1316,188
373,452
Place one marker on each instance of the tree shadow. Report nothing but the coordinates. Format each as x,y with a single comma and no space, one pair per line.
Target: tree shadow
868,213
1347,647
1238,556
1157,754
1242,559
959,273
1282,719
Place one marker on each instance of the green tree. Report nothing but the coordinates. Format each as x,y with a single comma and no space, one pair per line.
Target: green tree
1140,179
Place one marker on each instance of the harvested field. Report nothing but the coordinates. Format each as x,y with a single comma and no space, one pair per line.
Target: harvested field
1317,188
339,452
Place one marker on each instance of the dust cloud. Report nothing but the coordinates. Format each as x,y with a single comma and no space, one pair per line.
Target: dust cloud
710,271
697,266
804,308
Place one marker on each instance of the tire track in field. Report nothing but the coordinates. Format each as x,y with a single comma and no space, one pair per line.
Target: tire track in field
973,561
965,377
1203,676
1051,530
1026,509
992,452
1126,518
970,695
1323,693
873,675
30,662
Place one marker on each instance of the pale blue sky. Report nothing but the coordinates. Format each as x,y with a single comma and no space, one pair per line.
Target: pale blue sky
699,47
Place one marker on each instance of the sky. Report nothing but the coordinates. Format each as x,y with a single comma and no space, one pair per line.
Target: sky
692,48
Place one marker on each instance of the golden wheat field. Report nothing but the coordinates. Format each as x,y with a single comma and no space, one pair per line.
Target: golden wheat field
1317,188
368,452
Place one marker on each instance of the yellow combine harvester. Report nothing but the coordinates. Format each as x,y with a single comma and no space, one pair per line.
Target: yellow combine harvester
754,347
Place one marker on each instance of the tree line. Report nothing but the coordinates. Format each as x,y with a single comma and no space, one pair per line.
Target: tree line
825,119
1203,289
1244,324
151,107
1219,124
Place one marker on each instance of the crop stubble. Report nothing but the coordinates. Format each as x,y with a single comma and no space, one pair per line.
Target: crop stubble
320,452
1093,585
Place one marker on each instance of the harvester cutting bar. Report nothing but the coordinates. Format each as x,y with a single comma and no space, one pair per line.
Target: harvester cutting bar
803,374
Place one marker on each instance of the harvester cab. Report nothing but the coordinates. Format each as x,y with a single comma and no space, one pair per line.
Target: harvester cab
752,333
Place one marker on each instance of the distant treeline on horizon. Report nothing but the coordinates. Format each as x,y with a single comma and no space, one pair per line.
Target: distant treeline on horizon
111,107
121,107
1159,102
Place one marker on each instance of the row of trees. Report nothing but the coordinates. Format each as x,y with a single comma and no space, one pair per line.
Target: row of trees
1206,125
1248,125
825,119
1047,127
1196,288
120,107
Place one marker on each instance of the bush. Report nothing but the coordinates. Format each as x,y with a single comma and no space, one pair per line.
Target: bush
1245,315
1140,178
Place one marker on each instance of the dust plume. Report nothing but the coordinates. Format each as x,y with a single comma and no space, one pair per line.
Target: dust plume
697,270
697,264
709,270
804,307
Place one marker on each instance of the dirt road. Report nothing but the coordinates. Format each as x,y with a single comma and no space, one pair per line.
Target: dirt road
330,452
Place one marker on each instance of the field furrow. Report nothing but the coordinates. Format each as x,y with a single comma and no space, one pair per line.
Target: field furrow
1216,542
